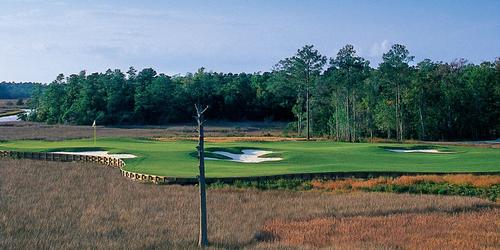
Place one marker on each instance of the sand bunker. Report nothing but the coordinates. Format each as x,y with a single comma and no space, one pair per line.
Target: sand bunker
431,151
100,153
248,156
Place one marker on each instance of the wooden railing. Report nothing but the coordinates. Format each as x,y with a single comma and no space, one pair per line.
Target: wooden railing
103,160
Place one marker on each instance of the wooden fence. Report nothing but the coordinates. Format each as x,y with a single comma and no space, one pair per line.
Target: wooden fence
115,162
103,160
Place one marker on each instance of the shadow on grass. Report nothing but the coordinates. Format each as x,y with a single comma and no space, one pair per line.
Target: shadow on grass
234,150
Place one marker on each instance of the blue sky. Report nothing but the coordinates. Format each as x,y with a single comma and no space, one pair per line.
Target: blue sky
40,39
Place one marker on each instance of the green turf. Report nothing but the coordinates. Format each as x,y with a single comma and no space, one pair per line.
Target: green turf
177,158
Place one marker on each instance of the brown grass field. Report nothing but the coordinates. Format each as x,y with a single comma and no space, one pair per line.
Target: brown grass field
39,131
74,205
9,107
221,139
456,179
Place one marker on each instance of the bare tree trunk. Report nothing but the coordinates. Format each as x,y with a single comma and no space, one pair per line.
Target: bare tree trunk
448,123
349,131
298,124
422,136
401,128
397,119
397,113
337,127
308,114
353,103
368,121
202,239
348,127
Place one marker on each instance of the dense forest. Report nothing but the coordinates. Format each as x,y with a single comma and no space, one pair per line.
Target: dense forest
340,97
12,90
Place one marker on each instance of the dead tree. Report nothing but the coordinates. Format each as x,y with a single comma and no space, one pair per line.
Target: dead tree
308,115
202,239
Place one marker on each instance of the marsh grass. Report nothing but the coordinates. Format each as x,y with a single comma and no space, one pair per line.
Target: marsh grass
435,230
407,180
484,186
10,107
74,205
10,112
40,131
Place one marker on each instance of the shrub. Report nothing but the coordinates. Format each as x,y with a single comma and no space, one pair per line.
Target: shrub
485,186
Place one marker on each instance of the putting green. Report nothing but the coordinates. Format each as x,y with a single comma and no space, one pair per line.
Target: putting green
176,159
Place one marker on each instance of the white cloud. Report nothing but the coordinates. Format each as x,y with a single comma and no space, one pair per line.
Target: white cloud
97,37
378,49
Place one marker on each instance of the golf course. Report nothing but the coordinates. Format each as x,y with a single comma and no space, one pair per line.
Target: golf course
178,158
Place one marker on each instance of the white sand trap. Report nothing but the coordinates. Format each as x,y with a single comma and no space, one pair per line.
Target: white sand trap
431,151
248,156
100,153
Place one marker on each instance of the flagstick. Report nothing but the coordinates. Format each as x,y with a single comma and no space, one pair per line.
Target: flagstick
95,127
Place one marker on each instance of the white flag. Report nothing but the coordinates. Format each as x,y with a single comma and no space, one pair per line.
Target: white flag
93,124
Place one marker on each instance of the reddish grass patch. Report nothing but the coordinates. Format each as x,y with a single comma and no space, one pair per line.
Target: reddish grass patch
472,230
458,179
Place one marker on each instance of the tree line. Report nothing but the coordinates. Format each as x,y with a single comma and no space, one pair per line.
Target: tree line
341,97
13,90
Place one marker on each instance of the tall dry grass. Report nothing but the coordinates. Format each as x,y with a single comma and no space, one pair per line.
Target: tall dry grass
74,205
438,230
9,105
407,180
40,131
223,139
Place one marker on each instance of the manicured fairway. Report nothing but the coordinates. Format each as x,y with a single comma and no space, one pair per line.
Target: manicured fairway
176,158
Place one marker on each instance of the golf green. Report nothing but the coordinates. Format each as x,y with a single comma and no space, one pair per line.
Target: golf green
177,158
